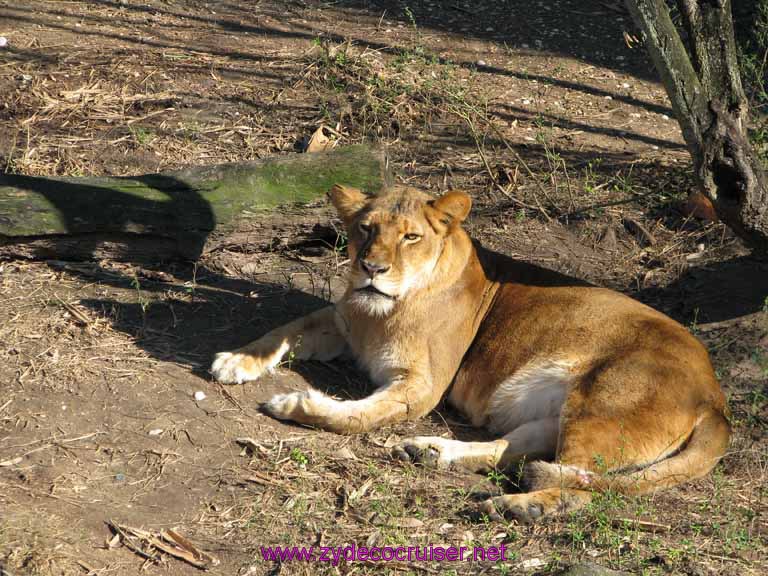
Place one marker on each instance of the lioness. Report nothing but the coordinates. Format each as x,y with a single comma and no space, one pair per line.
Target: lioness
612,393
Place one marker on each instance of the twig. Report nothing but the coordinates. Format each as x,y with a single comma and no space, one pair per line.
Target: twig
168,541
527,169
643,525
639,230
609,204
498,186
79,316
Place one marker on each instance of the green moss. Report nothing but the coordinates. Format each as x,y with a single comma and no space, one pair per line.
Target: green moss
170,204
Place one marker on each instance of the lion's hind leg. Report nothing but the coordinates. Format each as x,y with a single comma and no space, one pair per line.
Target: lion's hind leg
530,506
532,440
632,464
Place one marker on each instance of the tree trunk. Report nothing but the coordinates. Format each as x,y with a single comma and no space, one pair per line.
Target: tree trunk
706,93
167,216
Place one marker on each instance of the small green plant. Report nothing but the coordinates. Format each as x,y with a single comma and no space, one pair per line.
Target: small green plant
141,297
497,478
591,176
342,241
760,358
297,456
411,17
142,136
624,183
694,327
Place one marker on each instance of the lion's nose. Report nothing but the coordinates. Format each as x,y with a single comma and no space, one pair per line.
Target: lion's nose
372,268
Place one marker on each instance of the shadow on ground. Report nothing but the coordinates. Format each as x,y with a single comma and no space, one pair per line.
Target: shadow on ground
714,292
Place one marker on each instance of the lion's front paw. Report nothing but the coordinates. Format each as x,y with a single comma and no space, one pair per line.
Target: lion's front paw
236,367
428,450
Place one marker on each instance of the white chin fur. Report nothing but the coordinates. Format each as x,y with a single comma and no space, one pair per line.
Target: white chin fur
372,304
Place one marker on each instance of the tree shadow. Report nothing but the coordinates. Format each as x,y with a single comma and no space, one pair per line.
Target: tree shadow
176,222
199,314
572,18
713,292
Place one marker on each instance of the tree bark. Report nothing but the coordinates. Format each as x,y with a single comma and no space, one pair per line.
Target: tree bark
709,102
168,216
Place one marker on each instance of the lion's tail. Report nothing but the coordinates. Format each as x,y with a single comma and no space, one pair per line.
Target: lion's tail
704,448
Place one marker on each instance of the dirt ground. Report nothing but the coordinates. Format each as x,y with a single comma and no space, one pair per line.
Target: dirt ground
546,112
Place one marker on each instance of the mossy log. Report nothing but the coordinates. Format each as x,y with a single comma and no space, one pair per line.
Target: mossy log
167,216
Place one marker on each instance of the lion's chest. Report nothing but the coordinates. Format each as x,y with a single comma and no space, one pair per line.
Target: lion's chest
383,363
382,358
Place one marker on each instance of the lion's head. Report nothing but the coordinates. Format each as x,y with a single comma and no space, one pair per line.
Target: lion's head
397,240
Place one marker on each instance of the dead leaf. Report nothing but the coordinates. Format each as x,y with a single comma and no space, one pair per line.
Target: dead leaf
146,544
200,556
346,454
252,445
360,492
388,442
699,206
319,142
374,539
405,523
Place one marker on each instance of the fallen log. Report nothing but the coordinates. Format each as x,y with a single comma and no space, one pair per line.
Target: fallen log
167,216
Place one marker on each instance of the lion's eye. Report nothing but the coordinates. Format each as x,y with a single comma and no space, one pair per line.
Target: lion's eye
365,228
412,237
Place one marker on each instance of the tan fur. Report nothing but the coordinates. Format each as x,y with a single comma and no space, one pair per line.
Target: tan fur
616,394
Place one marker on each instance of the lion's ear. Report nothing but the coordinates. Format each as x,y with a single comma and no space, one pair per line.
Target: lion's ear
452,207
348,201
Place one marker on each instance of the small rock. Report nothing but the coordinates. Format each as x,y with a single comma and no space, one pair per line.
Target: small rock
155,432
199,395
467,538
445,527
481,63
625,85
3,41
533,563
